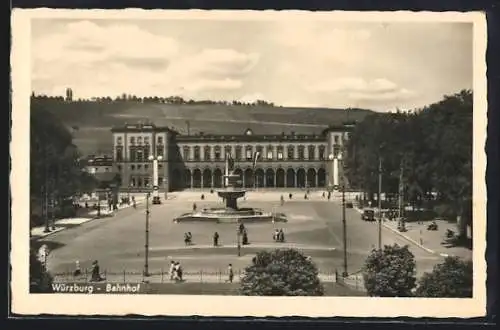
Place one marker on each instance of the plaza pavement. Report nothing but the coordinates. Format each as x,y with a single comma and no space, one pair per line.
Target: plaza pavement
314,227
83,216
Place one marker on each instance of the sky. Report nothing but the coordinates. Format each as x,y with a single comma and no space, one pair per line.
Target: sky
316,63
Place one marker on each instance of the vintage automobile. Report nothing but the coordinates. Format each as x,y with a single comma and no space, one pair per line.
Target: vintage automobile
368,215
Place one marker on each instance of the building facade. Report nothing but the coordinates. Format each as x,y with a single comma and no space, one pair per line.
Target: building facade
198,161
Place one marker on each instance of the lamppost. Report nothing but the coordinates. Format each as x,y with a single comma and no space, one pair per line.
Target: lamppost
155,160
380,202
344,223
238,235
146,244
331,161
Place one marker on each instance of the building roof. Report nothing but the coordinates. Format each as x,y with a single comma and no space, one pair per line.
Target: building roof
142,127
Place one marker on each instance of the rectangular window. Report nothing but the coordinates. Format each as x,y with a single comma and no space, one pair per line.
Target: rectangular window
132,140
336,139
132,167
237,155
301,153
290,153
119,154
132,182
206,155
160,181
119,140
146,182
217,153
185,152
311,151
280,153
139,155
132,154
249,154
139,140
139,166
227,151
146,166
197,153
160,140
159,150
146,140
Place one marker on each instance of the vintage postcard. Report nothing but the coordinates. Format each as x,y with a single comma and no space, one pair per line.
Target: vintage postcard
246,163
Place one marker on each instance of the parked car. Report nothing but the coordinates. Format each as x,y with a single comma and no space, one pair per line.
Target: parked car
349,205
368,215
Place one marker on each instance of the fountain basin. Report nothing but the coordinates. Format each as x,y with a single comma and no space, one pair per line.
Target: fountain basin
224,215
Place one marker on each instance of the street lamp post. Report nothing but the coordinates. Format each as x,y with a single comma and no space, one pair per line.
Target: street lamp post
238,235
380,203
156,197
331,159
344,222
146,244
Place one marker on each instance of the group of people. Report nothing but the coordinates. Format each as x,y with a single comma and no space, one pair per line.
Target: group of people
279,235
188,238
175,271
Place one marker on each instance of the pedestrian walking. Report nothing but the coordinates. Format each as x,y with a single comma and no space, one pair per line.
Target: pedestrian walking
216,239
96,274
230,273
179,272
171,270
78,270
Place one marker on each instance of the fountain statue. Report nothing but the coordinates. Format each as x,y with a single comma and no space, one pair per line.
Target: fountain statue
231,213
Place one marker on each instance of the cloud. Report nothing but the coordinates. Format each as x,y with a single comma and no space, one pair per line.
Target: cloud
99,59
214,63
250,98
86,41
211,84
348,84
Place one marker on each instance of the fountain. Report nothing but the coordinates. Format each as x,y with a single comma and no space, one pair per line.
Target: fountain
231,213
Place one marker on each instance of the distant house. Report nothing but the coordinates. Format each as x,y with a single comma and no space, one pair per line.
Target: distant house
103,169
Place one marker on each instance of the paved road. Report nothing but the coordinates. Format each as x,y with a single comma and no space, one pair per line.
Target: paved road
315,227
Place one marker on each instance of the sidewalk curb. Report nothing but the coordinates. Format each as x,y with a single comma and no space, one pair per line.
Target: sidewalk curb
88,220
409,239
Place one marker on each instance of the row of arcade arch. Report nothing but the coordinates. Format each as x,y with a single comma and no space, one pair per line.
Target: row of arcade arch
260,178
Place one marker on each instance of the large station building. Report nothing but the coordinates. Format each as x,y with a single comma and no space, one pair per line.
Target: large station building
198,161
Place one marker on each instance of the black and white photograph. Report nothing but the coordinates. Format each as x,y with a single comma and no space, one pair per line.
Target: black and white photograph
174,158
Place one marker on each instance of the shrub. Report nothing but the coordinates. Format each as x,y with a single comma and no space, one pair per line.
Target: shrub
282,272
449,279
390,272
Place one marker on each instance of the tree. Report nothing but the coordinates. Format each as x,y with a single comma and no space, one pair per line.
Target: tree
40,279
390,272
450,279
282,272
